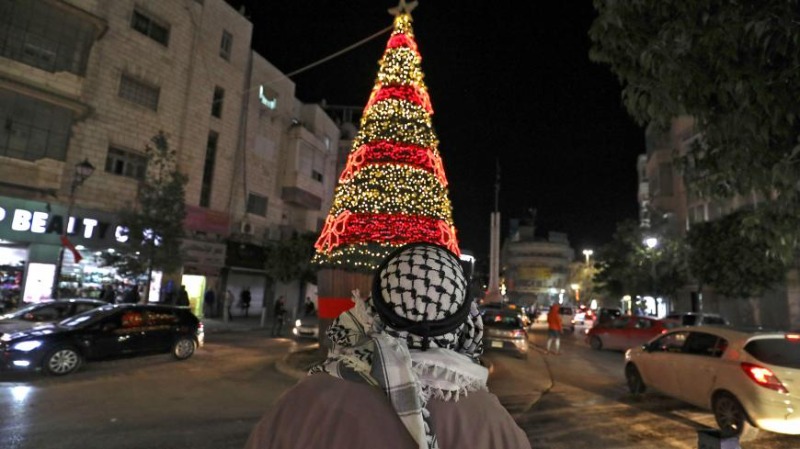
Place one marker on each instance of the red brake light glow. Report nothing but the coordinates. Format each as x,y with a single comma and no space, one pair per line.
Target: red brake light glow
793,337
764,377
498,318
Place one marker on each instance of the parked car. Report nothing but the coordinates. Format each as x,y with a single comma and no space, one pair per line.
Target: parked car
504,330
694,319
306,327
624,332
46,312
748,379
104,332
567,314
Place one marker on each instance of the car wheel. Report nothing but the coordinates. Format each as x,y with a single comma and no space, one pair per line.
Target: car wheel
634,379
62,360
596,343
183,348
732,418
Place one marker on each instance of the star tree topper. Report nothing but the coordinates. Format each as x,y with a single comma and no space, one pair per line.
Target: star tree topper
403,7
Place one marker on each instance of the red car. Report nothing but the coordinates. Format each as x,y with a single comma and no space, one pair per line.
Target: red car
624,332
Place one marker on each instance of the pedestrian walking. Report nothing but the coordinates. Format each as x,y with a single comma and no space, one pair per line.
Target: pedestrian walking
244,301
131,295
228,304
280,316
108,294
183,297
210,301
404,361
554,329
308,308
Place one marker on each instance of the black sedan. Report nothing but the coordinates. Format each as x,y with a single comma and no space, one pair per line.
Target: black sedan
106,332
46,312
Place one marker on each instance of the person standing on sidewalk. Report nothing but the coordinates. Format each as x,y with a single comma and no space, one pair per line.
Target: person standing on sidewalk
404,363
280,317
554,329
244,301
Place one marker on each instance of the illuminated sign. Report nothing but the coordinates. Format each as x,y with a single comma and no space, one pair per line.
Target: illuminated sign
269,103
32,221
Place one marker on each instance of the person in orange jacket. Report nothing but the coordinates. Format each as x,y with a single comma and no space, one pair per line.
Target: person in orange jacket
554,329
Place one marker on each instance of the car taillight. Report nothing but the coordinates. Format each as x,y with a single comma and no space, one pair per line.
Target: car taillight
518,334
764,377
793,337
200,327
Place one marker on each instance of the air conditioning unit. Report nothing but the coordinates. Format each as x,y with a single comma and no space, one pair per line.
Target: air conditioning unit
246,228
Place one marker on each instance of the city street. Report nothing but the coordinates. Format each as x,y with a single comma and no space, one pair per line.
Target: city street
213,399
589,407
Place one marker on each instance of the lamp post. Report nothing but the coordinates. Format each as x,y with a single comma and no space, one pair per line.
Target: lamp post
83,170
588,253
651,243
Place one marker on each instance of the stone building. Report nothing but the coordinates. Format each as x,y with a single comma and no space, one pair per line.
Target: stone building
93,81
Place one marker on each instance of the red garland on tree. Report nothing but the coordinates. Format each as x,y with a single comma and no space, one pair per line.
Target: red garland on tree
393,190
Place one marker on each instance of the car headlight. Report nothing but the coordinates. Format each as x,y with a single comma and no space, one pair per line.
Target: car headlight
26,346
298,323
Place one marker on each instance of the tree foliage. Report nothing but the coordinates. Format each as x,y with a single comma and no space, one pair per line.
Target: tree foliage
155,223
734,66
290,259
625,266
735,263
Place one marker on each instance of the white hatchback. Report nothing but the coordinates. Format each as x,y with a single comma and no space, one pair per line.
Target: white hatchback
750,380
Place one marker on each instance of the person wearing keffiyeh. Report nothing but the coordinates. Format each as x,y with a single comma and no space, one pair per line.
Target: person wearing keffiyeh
402,371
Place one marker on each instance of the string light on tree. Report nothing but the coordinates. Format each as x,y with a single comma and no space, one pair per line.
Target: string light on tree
393,189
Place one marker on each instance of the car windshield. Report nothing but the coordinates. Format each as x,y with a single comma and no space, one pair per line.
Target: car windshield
776,351
90,316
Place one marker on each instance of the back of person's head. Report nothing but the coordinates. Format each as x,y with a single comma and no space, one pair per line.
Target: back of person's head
420,294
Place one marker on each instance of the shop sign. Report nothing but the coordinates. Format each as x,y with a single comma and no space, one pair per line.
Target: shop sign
206,257
37,222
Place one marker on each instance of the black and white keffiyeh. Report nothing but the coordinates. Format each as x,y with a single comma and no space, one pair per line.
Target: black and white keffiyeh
422,340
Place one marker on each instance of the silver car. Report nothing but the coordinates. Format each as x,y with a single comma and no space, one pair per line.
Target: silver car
749,379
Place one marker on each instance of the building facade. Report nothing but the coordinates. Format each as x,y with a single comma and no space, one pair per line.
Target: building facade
668,206
536,270
94,81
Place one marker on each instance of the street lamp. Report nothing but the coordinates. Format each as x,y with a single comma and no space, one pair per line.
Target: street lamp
588,253
83,170
651,243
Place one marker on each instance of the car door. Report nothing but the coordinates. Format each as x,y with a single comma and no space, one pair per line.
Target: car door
111,336
640,330
658,363
158,330
698,367
617,333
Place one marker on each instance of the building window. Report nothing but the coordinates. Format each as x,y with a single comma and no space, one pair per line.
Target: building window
311,163
150,28
208,169
43,36
126,163
256,204
138,92
216,104
32,129
226,45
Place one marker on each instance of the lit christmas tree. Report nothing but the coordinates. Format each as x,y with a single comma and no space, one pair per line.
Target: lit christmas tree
393,190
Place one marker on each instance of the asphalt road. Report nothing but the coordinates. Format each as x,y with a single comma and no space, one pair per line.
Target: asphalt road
588,406
211,401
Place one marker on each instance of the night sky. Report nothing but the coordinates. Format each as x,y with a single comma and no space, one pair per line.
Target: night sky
510,82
